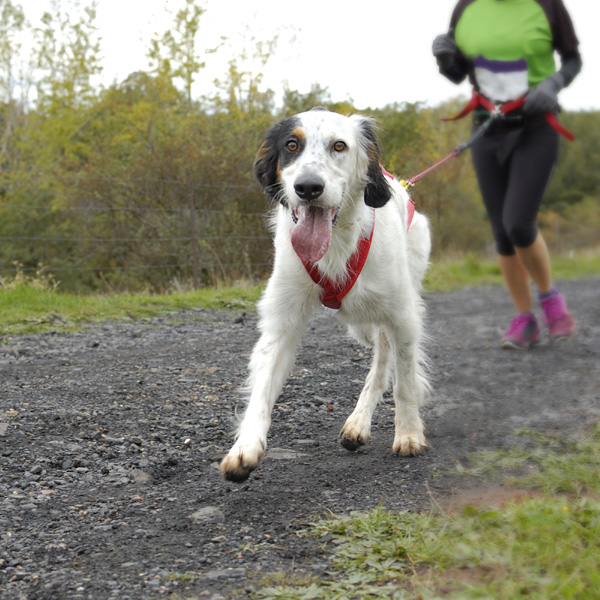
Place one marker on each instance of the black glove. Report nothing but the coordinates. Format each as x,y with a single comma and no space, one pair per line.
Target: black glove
543,97
444,49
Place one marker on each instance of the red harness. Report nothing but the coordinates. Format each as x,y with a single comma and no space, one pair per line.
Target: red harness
332,294
479,100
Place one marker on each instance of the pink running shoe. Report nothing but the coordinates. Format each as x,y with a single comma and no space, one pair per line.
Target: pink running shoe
522,333
556,316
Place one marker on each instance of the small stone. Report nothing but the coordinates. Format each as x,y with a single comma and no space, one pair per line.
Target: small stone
141,477
226,574
208,514
114,441
284,454
306,442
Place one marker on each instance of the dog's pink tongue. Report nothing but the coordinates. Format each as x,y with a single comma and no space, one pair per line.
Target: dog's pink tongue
312,233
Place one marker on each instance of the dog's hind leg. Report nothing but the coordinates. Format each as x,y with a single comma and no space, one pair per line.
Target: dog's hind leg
410,386
357,429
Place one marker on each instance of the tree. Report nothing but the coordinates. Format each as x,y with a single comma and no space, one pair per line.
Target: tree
12,77
67,56
414,138
12,24
174,55
574,179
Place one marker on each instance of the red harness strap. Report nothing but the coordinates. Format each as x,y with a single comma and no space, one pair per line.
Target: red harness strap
333,295
479,100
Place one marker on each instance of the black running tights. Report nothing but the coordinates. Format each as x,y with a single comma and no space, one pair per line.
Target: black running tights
513,171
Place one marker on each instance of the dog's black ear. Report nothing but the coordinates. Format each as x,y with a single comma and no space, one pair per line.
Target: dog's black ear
378,190
266,163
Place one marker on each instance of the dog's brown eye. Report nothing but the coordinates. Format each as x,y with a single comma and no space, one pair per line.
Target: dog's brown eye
292,145
339,146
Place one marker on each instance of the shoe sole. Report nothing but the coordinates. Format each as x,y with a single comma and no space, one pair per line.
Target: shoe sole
561,338
511,345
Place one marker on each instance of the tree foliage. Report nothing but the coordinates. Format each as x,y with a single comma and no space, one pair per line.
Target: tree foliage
142,185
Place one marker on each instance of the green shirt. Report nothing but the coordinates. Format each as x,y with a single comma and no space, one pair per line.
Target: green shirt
509,45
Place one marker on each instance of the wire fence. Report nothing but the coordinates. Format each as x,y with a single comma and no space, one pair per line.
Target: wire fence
129,244
164,234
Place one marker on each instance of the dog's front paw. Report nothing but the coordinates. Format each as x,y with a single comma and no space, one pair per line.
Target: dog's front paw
241,461
410,445
354,434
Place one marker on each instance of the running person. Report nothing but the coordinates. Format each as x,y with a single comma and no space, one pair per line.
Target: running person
506,48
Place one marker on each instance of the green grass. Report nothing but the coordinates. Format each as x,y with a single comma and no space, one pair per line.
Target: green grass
34,304
547,466
541,546
30,305
444,275
455,274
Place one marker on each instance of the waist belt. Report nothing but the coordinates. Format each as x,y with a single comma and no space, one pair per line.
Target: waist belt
498,110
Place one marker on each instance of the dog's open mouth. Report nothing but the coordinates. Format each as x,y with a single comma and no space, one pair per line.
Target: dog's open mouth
312,233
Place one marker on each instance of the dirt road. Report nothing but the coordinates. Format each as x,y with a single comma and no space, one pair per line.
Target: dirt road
110,441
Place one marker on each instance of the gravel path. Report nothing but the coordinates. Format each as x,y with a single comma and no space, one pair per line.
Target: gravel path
110,441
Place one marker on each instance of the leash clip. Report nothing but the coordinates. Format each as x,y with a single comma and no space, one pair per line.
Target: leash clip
496,112
407,184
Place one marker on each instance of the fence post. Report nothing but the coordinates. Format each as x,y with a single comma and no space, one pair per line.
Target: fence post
193,237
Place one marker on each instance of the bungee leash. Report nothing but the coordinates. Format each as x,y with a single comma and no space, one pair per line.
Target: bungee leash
407,183
496,111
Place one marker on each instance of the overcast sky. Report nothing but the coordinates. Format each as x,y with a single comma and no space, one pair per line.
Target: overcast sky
374,55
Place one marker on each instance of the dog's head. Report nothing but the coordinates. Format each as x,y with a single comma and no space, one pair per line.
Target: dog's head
321,145
315,162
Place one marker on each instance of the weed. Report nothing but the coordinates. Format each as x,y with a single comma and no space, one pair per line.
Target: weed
41,280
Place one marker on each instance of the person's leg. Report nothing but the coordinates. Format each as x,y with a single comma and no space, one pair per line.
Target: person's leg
493,177
524,330
517,280
532,166
536,261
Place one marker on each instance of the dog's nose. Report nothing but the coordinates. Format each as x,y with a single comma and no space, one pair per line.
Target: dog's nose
309,188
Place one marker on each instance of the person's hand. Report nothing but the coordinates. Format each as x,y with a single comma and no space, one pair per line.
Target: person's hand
543,97
444,49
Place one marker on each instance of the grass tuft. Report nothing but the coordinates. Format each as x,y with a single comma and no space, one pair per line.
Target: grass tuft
534,547
548,465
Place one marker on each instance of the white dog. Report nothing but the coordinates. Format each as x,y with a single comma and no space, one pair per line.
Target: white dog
346,236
